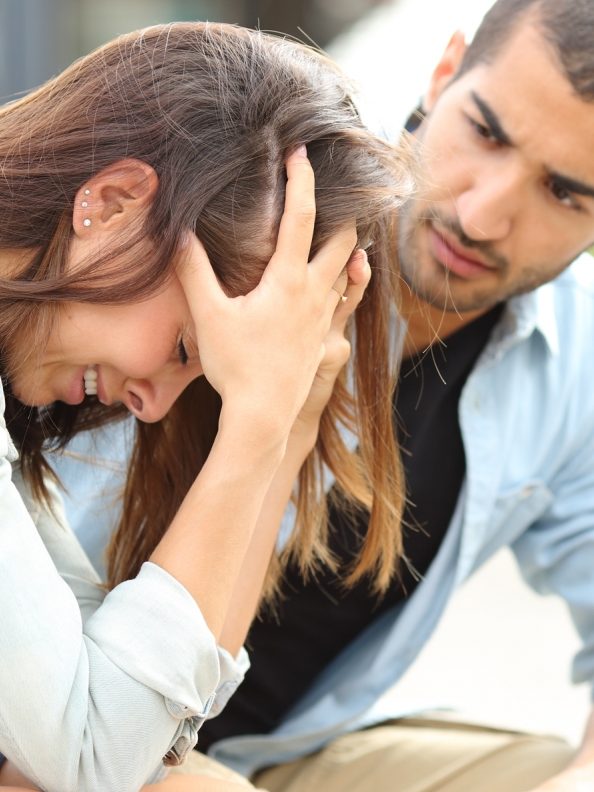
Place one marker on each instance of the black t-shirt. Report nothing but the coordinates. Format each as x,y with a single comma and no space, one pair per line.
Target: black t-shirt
317,619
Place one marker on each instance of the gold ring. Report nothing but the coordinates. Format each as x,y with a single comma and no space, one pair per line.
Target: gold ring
343,297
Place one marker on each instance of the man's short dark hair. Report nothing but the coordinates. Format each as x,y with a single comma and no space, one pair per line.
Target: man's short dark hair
568,25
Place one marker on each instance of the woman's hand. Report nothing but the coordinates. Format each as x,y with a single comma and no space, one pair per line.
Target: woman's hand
12,780
261,351
337,348
301,441
198,783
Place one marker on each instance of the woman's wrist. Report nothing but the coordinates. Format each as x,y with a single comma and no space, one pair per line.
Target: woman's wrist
258,431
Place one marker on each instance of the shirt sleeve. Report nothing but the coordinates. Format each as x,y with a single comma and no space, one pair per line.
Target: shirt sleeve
556,555
96,697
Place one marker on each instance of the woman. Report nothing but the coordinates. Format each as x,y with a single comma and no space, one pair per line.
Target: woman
142,244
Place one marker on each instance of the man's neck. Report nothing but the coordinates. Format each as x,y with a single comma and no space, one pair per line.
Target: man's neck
426,323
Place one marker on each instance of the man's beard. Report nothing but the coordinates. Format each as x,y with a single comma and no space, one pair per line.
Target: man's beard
436,286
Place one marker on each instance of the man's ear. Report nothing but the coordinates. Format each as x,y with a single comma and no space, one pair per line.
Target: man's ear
445,70
115,197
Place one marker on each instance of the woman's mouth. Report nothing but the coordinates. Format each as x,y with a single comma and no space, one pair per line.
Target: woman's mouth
75,391
90,381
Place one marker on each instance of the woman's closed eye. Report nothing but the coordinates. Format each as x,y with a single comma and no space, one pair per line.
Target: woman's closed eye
181,352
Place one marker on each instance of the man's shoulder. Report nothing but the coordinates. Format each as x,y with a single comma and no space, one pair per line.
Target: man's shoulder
580,272
573,297
560,313
565,305
566,320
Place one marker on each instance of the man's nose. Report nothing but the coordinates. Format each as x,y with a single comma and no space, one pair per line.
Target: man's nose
487,209
151,399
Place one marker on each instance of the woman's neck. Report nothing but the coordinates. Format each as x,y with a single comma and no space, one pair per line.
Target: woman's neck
13,261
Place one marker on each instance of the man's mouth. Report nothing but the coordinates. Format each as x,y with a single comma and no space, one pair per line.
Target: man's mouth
457,259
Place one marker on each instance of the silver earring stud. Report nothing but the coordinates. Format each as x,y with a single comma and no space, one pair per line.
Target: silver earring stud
84,204
86,222
87,191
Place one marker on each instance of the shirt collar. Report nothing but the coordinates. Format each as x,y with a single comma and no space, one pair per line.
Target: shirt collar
527,314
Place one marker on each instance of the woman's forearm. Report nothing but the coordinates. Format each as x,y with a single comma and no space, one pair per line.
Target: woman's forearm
248,587
206,544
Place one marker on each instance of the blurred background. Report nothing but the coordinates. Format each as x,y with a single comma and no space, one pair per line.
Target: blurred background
40,37
501,654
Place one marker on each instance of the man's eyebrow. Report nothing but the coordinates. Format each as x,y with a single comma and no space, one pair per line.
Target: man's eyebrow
492,121
490,117
571,185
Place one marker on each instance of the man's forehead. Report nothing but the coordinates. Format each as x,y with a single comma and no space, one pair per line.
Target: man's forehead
525,90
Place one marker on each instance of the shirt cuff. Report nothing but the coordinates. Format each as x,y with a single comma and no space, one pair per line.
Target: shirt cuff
168,645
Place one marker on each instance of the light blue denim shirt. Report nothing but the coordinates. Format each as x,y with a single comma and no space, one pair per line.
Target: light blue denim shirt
98,691
527,419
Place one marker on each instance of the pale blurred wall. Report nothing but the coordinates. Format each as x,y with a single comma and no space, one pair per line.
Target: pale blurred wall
35,38
38,38
391,52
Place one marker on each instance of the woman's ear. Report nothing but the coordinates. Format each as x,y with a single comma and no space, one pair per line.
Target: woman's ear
445,70
116,197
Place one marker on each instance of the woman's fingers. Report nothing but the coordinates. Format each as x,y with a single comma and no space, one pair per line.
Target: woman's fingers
353,281
333,257
297,223
197,277
288,327
358,274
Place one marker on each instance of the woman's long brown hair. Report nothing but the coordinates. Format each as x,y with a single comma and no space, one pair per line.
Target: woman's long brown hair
214,109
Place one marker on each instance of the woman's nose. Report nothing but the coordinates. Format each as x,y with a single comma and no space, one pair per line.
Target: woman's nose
150,400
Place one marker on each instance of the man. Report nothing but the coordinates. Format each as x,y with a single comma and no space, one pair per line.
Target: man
506,200
495,410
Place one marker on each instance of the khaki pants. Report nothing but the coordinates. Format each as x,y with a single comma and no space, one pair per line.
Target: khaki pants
422,755
200,765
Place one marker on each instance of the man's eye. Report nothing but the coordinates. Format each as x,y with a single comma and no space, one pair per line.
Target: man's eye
181,351
563,195
483,131
560,193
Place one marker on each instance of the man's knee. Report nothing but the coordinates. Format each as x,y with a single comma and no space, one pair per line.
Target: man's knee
402,756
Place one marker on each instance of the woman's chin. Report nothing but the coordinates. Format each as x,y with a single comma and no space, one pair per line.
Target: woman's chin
28,397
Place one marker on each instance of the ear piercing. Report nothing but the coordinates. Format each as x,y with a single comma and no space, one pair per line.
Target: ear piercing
343,297
84,204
